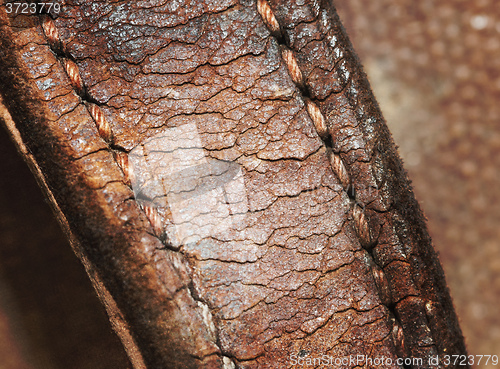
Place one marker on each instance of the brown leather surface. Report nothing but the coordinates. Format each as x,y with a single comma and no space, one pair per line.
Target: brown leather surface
290,269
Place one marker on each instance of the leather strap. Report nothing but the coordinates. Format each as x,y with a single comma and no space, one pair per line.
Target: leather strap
225,174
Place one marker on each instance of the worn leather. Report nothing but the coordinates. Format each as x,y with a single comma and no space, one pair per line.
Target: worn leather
289,275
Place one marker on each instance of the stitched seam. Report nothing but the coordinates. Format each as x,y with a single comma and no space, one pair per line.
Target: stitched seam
121,158
317,117
338,167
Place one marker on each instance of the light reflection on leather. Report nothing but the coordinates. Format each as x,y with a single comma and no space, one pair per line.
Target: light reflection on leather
206,197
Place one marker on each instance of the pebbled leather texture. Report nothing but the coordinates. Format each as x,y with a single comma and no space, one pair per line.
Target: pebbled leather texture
318,246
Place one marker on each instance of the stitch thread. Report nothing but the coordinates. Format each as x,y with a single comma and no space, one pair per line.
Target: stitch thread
338,167
361,226
74,75
293,67
104,129
340,170
268,16
360,221
382,285
126,166
50,30
154,219
101,123
317,118
398,338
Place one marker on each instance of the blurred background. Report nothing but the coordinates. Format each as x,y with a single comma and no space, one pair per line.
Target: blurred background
50,317
434,66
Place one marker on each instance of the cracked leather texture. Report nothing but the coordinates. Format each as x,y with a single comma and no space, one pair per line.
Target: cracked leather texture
289,274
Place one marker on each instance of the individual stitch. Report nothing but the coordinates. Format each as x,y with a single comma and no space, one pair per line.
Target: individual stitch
398,337
317,118
382,285
340,170
101,123
126,166
154,218
74,76
267,15
50,30
361,226
293,67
